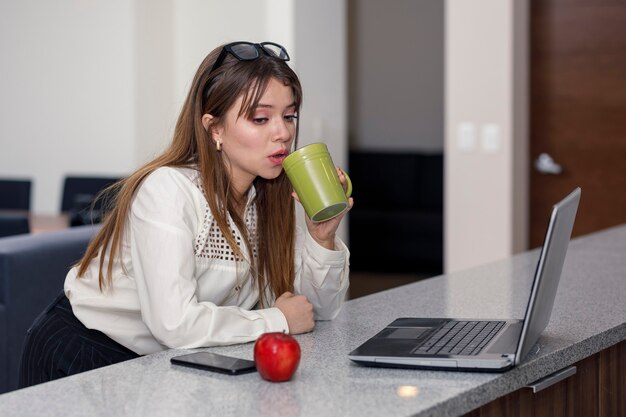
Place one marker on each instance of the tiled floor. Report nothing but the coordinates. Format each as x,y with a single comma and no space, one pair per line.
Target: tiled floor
364,283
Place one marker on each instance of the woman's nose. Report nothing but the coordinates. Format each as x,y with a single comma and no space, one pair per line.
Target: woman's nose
282,131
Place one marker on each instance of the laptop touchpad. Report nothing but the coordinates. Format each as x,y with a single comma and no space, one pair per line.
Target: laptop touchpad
407,333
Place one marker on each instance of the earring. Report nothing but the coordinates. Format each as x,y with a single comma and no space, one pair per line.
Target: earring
218,145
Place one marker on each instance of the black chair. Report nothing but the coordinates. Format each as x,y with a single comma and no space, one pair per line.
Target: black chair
32,270
13,224
15,194
78,195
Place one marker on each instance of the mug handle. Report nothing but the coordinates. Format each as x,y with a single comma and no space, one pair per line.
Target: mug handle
348,185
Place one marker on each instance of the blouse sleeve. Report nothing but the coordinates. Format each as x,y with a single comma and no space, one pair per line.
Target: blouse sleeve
322,274
163,223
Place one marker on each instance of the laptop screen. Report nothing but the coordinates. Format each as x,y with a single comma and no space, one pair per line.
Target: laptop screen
548,272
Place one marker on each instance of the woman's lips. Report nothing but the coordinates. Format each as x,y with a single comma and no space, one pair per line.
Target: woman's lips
278,157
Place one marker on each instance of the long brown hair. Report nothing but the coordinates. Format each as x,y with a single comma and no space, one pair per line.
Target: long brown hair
215,93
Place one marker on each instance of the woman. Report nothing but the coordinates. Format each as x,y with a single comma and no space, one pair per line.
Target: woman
201,246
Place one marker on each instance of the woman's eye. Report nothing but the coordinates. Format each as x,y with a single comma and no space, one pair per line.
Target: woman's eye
291,117
260,120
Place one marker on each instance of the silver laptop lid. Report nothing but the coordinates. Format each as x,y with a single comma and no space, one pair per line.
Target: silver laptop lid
548,272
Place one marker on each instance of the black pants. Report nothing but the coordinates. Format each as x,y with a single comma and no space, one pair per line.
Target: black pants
58,345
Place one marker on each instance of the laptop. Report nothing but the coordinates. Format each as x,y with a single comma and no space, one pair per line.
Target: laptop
478,345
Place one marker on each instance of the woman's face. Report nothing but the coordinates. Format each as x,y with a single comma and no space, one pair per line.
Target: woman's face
257,146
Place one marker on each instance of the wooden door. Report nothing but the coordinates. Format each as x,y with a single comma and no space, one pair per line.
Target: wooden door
578,110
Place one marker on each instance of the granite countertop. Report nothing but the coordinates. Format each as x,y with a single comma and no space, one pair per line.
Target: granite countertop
589,315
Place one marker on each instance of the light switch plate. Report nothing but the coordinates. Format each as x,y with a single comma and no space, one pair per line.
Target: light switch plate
466,137
490,138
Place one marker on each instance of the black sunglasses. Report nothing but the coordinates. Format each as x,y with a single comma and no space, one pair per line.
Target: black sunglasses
248,51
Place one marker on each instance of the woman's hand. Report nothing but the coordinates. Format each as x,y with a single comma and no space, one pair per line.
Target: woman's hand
324,232
298,312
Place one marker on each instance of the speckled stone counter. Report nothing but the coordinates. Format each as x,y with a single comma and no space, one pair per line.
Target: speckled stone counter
589,315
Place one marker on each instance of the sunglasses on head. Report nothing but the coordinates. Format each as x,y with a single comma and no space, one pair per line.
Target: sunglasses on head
248,51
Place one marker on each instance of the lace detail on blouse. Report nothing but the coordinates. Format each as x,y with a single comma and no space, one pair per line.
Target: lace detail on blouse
211,243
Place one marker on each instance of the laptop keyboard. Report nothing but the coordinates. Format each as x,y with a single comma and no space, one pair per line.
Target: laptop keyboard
460,338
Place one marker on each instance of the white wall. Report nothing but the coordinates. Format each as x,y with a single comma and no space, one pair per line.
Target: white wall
67,92
486,135
155,94
95,87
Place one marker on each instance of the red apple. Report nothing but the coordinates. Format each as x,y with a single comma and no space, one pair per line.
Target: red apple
277,356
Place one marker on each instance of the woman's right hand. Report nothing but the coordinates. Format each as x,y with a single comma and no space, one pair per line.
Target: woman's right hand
298,312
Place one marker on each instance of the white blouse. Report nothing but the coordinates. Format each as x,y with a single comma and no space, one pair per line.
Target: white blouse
179,284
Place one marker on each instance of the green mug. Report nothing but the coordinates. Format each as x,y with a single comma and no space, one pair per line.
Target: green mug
313,176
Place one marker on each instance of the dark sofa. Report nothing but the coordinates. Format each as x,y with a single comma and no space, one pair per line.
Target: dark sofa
32,272
396,224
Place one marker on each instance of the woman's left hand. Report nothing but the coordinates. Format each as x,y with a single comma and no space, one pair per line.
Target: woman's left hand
324,232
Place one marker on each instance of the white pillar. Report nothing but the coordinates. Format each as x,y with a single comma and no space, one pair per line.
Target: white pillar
486,141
